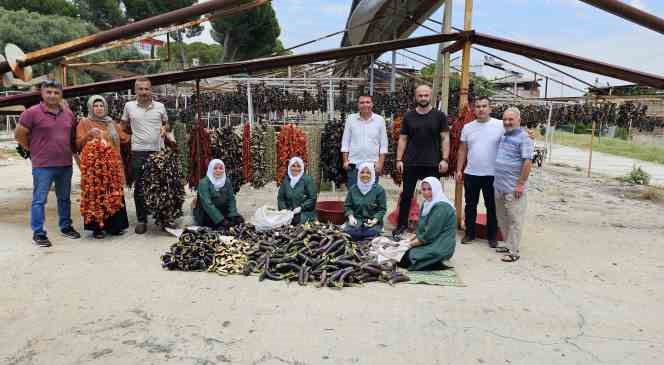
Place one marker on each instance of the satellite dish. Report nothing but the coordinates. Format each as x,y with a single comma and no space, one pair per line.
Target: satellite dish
14,55
7,77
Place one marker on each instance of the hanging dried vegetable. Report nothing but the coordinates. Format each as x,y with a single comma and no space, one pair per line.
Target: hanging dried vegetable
199,154
270,153
246,153
259,163
164,187
331,161
394,140
292,141
180,132
227,146
457,123
313,149
101,182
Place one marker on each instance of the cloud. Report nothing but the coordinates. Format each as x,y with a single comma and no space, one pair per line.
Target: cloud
336,9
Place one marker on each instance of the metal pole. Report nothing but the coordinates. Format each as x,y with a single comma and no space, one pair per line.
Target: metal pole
463,101
393,74
546,88
630,13
371,76
250,105
445,86
549,134
590,158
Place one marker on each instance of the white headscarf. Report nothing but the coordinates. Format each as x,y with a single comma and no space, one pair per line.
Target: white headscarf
364,188
437,195
218,182
296,178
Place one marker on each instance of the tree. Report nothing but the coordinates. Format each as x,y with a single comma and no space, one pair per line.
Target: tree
141,9
104,14
205,53
247,35
46,7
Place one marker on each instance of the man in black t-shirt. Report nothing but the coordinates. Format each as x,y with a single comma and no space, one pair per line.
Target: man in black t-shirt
423,151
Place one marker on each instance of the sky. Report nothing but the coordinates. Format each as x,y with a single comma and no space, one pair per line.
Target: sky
565,25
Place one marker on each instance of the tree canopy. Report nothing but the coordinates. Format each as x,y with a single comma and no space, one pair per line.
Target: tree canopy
49,7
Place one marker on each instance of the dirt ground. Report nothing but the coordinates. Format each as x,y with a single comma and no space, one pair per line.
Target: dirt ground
588,289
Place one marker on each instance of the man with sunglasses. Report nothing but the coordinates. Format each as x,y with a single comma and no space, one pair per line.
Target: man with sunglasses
46,130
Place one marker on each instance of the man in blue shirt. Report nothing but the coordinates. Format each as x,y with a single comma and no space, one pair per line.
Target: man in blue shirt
513,163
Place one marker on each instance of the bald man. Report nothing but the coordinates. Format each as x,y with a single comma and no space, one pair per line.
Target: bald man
423,150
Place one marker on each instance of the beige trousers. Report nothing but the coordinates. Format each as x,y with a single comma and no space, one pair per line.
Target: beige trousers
511,214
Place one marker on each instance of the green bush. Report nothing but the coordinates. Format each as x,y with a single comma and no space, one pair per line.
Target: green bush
638,176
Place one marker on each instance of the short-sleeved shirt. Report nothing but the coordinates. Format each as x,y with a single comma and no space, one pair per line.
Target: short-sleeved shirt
514,149
50,135
423,132
364,140
482,139
145,125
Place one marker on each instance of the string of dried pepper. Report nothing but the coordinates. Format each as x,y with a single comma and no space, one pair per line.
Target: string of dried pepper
457,123
101,182
396,132
199,154
292,141
246,153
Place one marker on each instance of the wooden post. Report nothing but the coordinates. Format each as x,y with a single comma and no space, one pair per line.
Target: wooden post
445,70
590,158
463,100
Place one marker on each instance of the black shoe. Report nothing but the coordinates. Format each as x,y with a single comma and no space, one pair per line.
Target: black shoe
467,240
141,228
99,235
493,243
398,232
70,232
40,239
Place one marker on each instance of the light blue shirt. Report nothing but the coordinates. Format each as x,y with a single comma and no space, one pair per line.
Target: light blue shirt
514,149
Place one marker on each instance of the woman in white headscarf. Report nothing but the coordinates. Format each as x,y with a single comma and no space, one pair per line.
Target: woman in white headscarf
298,193
365,205
435,237
215,203
98,125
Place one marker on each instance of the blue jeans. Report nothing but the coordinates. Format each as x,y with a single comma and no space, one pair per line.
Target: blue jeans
42,178
351,176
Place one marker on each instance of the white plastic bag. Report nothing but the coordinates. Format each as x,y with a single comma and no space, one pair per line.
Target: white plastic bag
385,250
267,218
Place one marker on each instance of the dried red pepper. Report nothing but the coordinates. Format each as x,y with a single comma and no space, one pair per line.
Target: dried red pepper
292,142
102,177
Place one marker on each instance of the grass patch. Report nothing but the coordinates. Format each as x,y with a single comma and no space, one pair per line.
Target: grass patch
612,146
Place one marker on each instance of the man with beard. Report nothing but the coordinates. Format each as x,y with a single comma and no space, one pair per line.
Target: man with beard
423,150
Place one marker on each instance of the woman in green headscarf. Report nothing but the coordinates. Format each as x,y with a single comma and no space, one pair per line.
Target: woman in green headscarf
98,125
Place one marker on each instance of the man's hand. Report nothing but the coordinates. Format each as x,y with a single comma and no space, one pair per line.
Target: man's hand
163,130
346,165
458,176
400,166
518,191
443,166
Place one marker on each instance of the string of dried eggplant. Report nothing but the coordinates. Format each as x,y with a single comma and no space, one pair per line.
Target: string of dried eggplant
164,187
226,145
259,163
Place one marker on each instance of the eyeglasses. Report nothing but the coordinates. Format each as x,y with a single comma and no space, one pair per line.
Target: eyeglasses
51,83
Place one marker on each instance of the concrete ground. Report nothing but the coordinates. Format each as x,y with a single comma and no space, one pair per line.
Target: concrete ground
587,290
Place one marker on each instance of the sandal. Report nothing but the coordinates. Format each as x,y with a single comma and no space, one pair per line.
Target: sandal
502,249
510,258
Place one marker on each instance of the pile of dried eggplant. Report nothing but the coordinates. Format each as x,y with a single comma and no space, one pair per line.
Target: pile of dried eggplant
230,257
164,187
194,251
313,253
226,145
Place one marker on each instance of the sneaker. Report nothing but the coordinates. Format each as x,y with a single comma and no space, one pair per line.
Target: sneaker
467,240
40,239
141,228
99,235
493,243
70,232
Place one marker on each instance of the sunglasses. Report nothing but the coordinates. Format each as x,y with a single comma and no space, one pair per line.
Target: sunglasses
51,83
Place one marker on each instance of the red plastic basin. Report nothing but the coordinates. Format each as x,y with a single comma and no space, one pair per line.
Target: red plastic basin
331,211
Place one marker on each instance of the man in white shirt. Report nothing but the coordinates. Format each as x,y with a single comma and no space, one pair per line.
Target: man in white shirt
364,140
479,146
147,121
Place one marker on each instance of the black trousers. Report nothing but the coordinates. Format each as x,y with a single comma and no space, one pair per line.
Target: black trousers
138,160
472,186
410,176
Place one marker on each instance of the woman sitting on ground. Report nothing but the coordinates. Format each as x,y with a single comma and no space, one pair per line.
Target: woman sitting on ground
98,125
365,205
298,193
215,201
435,238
